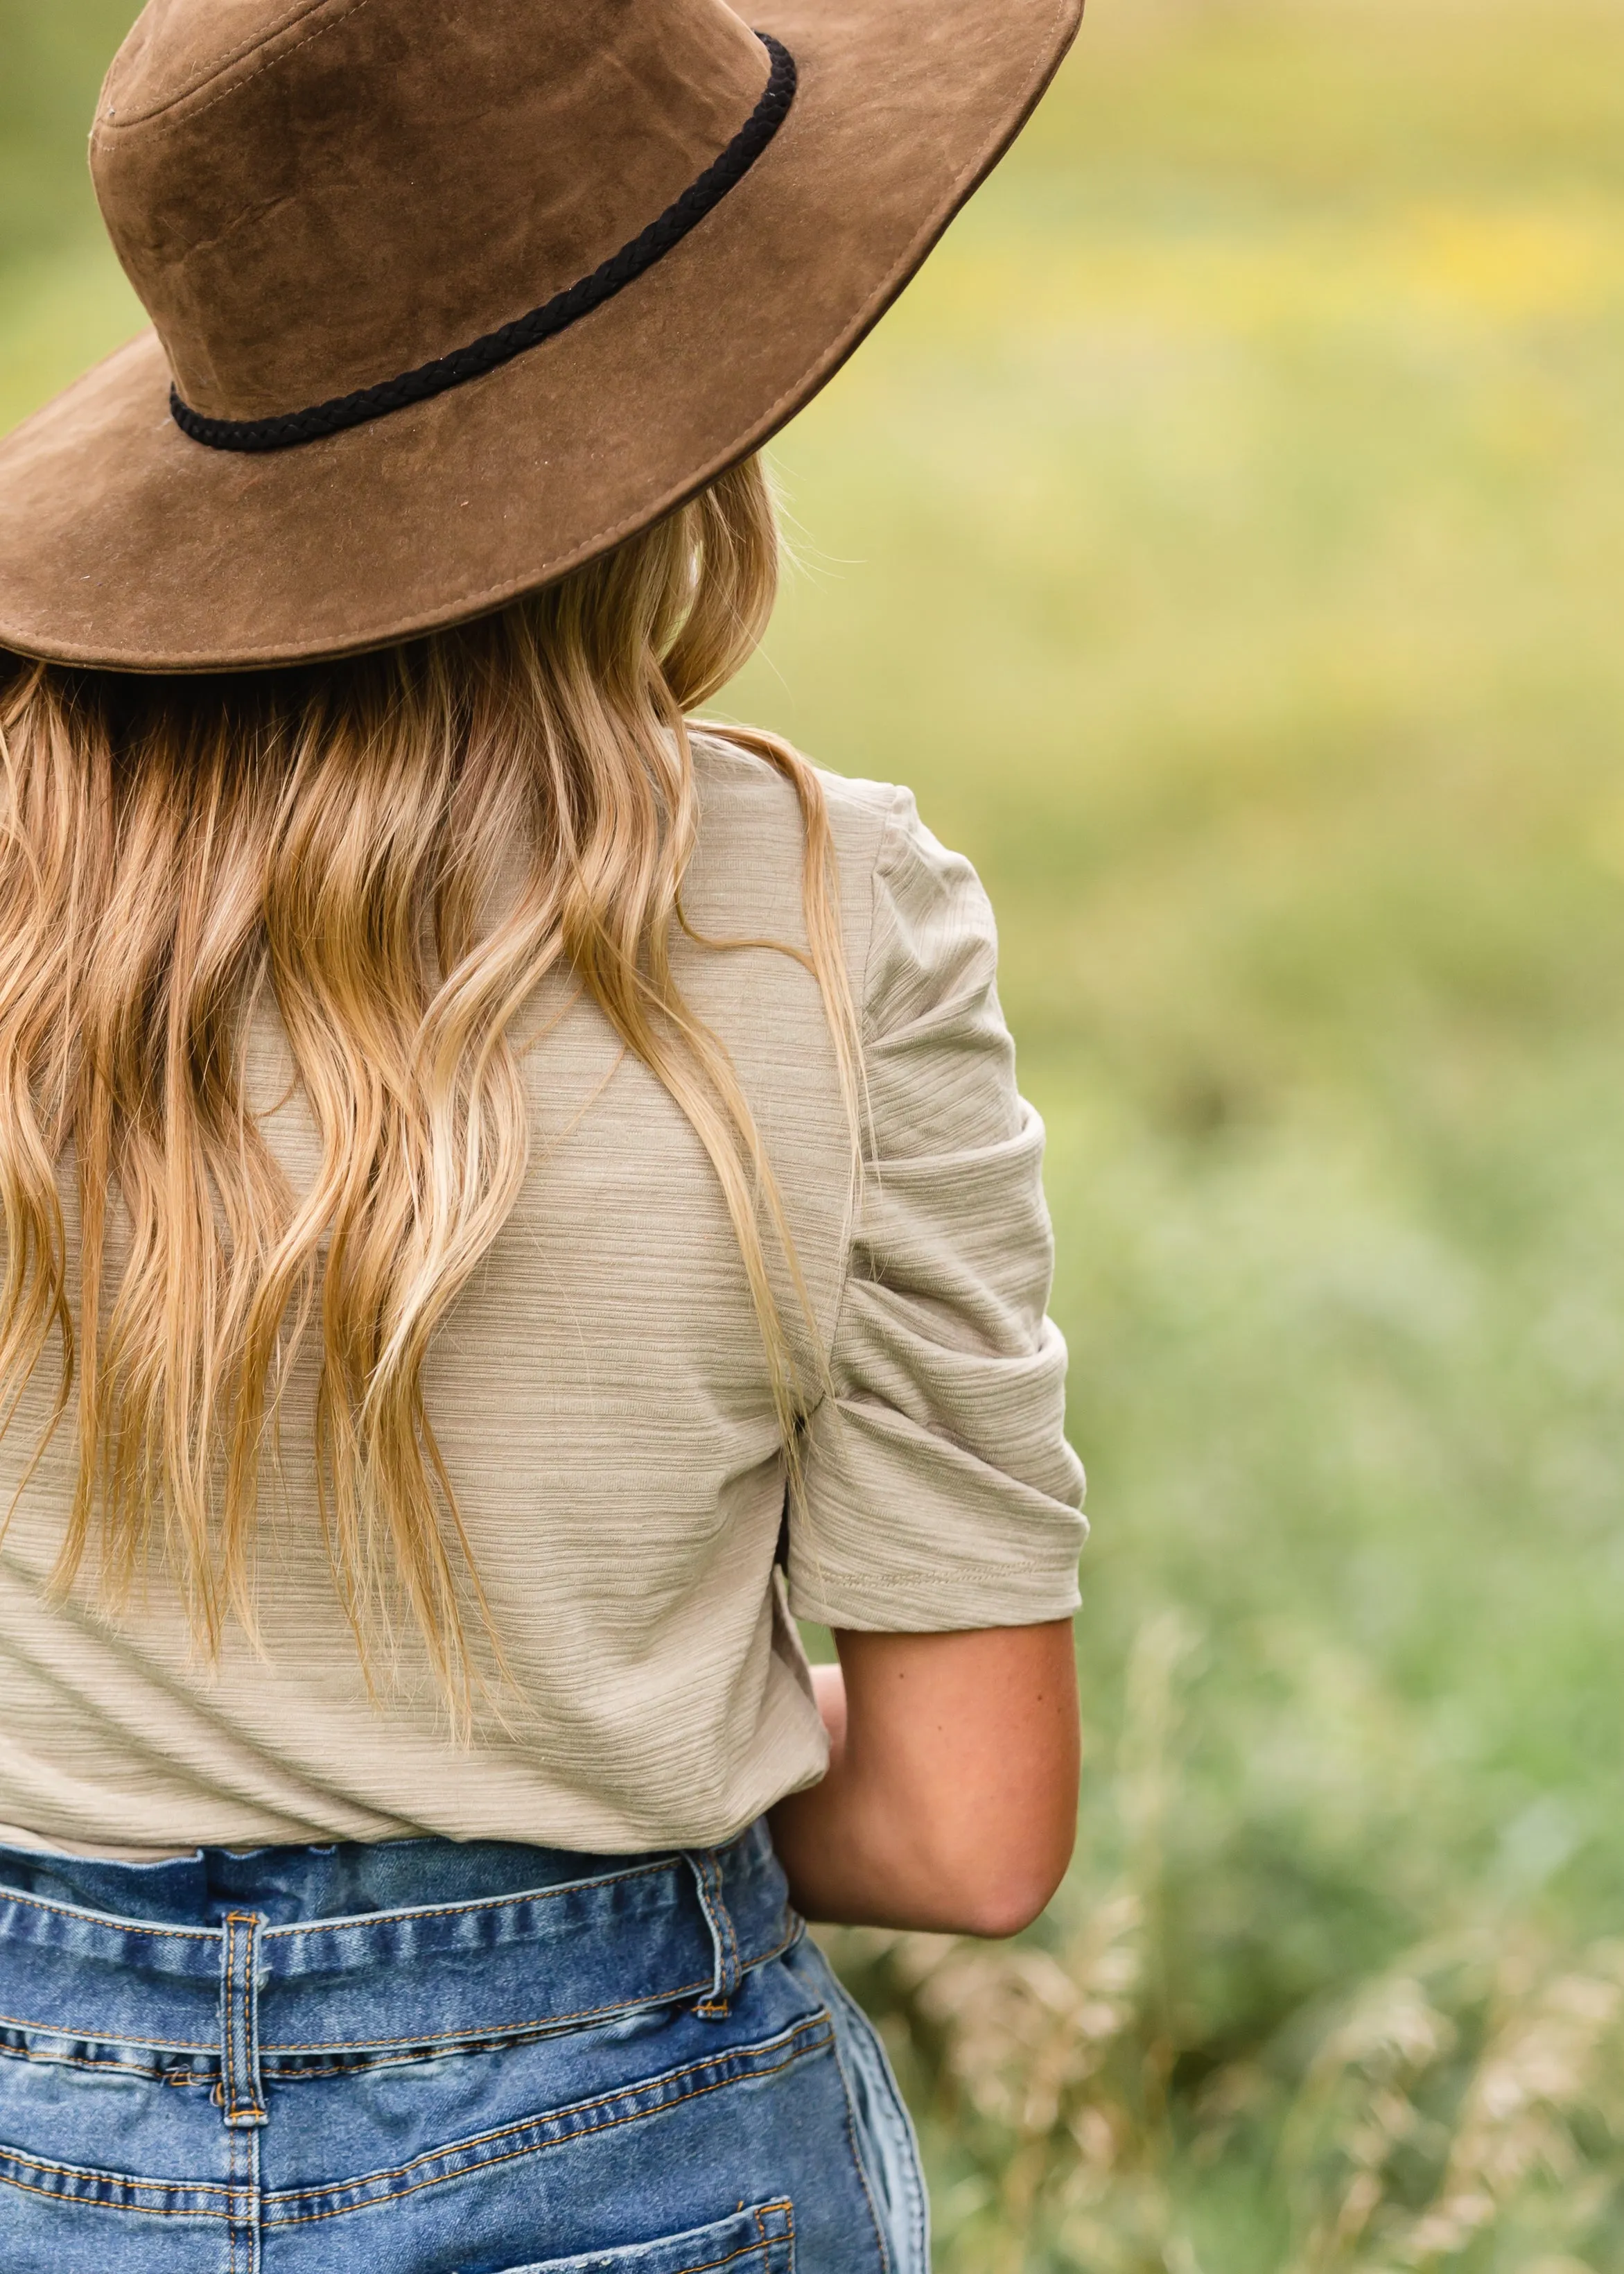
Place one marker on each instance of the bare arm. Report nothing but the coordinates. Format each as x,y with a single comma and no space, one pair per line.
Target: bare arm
950,1801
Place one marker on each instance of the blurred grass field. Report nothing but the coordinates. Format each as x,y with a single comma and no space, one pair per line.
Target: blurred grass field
1226,539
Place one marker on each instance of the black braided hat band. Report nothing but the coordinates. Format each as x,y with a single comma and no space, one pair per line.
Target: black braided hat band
290,428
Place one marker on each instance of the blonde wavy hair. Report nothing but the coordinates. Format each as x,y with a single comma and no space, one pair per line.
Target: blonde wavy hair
169,847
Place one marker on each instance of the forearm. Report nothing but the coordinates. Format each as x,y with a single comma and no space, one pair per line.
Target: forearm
949,1802
853,1856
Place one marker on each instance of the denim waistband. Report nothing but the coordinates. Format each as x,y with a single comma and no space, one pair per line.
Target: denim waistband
223,1970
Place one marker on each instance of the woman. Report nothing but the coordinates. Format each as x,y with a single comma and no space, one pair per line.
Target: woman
510,1196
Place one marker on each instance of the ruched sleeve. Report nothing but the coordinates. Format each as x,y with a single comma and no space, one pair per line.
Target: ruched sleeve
940,1491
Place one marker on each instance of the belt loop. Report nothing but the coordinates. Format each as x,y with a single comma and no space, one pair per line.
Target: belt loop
240,2019
706,1865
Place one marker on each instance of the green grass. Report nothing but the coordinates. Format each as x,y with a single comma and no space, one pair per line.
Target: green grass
1226,538
54,54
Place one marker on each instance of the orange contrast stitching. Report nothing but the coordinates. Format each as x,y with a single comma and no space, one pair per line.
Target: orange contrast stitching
104,2067
84,2202
106,2037
111,1923
851,2141
121,2179
792,2053
274,2050
242,2096
479,1903
269,2049
512,2156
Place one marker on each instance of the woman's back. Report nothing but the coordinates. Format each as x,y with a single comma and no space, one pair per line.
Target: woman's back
604,1409
509,1196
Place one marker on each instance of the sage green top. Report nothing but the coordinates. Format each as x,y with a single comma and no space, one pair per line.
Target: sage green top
602,1399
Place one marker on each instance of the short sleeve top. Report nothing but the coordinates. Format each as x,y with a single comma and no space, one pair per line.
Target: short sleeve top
603,1402
941,1490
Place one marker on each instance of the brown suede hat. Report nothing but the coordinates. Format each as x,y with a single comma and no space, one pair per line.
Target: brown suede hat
450,295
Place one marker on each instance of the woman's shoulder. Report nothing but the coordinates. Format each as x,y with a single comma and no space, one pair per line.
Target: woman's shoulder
740,788
876,825
910,905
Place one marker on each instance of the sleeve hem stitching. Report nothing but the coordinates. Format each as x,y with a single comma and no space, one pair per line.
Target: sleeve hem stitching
979,1572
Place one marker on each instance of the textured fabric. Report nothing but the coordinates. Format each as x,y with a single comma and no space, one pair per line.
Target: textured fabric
417,2055
602,1399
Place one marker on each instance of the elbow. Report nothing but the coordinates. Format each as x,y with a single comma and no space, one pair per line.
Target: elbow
995,1887
1002,1903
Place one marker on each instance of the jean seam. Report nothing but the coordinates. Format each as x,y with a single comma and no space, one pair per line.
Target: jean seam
112,2068
728,1973
599,2100
513,2155
127,2211
271,2048
232,2191
851,2143
231,2222
110,2037
272,2052
121,2179
243,2207
767,2241
762,2244
918,2220
793,2052
477,1904
241,2097
723,1905
109,1922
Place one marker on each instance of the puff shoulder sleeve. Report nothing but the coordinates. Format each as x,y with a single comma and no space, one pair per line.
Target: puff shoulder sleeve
940,1491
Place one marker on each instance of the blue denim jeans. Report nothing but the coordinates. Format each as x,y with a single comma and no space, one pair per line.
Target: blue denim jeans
422,2058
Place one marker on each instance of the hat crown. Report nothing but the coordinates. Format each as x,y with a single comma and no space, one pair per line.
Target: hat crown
314,196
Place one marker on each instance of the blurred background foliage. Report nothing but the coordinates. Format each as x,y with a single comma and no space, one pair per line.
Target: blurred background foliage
1226,539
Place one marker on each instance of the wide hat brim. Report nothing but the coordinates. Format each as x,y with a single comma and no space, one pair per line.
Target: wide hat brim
125,544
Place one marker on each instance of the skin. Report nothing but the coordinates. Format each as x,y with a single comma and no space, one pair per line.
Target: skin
951,1800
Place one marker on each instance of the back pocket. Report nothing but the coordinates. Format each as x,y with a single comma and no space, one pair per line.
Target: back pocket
760,2240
